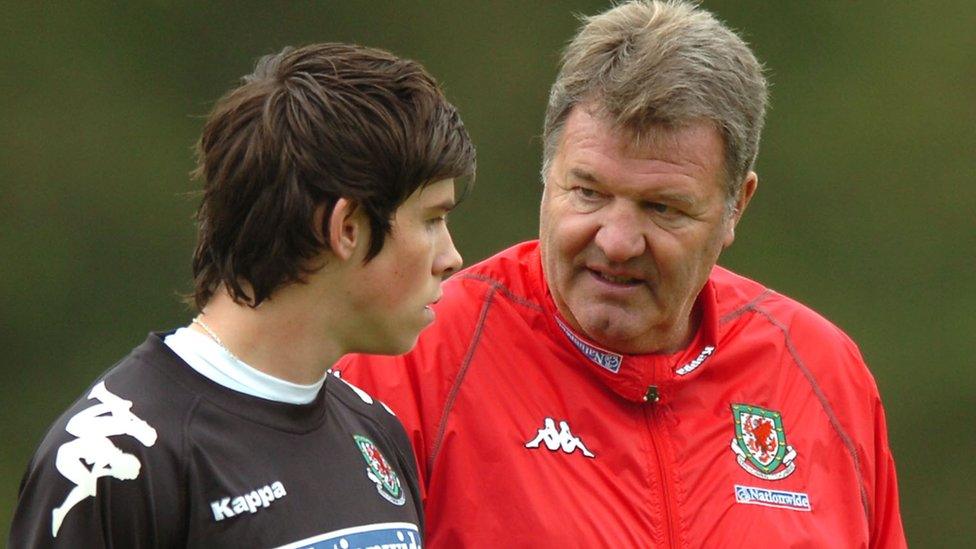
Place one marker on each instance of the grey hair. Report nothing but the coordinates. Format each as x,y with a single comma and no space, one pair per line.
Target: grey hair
648,63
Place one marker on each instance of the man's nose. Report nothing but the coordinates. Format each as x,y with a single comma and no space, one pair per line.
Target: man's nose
620,237
449,259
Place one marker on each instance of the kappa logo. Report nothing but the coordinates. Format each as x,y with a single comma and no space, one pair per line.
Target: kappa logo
558,439
698,361
250,502
92,455
760,443
380,472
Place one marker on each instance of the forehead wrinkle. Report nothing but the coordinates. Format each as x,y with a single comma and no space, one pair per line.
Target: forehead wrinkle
663,161
644,178
651,144
667,142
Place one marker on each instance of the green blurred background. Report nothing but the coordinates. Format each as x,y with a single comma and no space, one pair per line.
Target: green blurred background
865,209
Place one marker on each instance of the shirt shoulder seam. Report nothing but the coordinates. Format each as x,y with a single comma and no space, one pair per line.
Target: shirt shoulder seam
459,378
748,307
501,288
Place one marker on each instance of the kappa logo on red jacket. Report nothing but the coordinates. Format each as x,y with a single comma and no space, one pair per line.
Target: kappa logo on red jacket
561,439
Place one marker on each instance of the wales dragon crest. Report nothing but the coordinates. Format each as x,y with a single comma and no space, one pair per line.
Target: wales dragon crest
760,443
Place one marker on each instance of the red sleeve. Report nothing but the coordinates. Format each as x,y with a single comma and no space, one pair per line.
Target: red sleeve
852,402
886,528
867,422
859,400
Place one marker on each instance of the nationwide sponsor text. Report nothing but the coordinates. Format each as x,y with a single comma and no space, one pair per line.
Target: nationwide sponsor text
796,501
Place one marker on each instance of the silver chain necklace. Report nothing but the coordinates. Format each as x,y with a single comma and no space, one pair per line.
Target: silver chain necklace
215,337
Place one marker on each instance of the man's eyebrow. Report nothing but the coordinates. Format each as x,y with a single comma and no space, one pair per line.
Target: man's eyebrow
679,198
584,175
661,196
446,205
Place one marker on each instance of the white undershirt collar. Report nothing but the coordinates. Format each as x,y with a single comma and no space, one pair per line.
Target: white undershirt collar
212,361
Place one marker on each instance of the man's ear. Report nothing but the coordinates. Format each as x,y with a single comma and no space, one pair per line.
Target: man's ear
748,189
345,225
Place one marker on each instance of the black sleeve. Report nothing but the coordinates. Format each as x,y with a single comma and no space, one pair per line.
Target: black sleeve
97,480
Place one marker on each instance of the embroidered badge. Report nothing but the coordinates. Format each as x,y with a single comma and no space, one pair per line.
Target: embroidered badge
380,472
561,439
760,443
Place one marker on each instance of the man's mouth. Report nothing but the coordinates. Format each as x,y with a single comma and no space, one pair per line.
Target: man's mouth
618,279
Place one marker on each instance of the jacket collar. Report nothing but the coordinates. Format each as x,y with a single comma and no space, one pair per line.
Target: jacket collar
641,377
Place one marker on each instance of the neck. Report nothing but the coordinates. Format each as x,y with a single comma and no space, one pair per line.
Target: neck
283,337
665,339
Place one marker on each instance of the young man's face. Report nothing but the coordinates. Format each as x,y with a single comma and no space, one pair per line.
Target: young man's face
394,290
629,234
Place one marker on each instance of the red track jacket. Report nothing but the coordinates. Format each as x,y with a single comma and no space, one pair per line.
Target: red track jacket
766,431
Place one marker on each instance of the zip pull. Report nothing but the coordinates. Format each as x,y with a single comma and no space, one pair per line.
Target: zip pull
651,394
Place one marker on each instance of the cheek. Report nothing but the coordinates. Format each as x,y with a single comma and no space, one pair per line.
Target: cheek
569,235
690,260
713,247
412,264
391,275
675,258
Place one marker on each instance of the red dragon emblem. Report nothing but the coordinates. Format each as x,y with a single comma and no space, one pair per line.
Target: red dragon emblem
761,438
382,467
759,444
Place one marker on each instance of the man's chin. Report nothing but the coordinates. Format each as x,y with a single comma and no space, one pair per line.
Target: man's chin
619,331
393,344
405,344
609,334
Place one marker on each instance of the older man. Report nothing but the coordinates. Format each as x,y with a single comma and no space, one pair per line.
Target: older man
608,385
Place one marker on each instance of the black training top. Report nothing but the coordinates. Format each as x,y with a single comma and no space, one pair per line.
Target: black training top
156,455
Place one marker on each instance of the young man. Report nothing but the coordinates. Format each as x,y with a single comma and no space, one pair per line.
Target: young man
327,178
608,385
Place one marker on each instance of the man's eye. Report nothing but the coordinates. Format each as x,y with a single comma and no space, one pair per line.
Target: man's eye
437,220
660,208
586,193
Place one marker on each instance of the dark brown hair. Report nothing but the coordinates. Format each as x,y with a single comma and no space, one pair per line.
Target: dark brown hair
309,126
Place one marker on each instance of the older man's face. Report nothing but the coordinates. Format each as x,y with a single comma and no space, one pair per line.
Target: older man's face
629,234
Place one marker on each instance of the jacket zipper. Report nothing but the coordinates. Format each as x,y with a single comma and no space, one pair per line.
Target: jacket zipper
665,479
